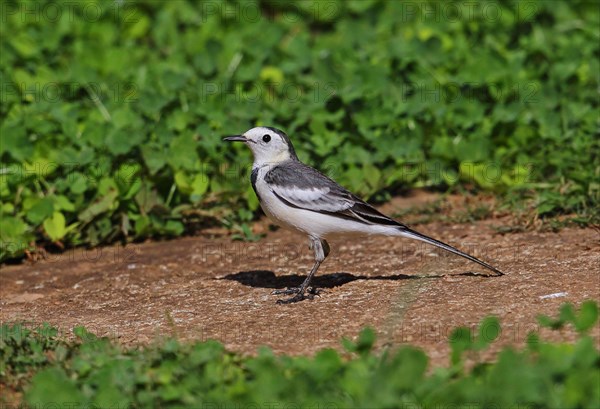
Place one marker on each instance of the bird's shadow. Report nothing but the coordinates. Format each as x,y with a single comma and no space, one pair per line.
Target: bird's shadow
268,279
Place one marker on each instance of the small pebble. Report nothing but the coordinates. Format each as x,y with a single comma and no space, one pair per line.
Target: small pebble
555,295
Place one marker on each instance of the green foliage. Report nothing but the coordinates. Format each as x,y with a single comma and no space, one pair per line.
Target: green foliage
23,350
582,322
95,371
462,340
112,112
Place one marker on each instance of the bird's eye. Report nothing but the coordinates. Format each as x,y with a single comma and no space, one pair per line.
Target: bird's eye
266,138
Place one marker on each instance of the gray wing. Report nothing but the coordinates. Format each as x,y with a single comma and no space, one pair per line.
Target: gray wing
303,187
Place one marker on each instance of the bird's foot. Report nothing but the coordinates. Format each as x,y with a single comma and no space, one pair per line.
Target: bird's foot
296,290
298,293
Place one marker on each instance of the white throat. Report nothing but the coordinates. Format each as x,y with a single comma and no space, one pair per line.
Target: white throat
271,160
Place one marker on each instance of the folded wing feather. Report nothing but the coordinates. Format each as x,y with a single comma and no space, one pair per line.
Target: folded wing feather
303,187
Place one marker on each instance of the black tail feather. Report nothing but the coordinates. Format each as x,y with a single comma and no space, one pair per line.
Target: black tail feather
416,235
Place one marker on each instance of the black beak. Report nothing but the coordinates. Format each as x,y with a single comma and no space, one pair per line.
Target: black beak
236,138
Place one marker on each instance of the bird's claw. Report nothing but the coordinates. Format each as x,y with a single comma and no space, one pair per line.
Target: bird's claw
295,290
298,294
296,298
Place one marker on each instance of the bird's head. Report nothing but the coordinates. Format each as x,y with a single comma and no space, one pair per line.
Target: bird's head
268,145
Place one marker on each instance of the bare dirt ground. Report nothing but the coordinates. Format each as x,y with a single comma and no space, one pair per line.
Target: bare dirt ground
209,286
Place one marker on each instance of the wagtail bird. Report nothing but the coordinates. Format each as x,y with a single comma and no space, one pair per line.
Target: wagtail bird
301,198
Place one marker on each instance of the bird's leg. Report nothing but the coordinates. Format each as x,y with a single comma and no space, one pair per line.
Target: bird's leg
321,249
296,290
